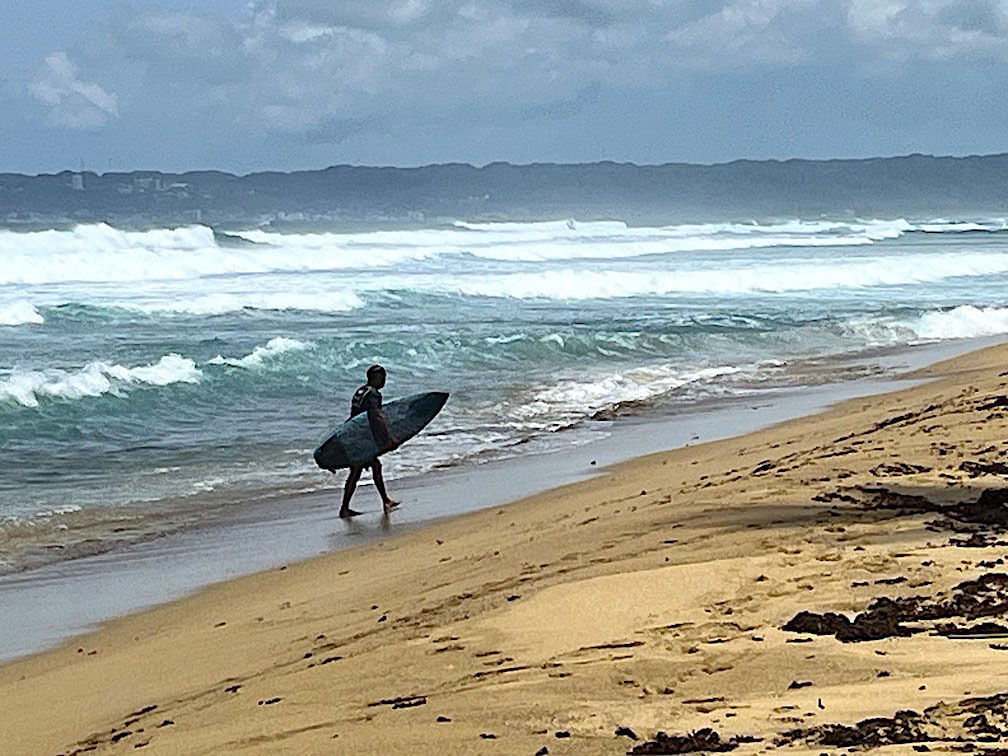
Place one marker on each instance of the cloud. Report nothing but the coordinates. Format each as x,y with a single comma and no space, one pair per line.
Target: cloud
592,13
364,14
316,69
73,103
320,69
326,72
744,33
184,30
932,29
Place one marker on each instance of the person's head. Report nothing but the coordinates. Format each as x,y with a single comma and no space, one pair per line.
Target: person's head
376,376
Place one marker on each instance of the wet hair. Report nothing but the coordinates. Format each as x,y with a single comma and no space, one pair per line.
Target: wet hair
375,370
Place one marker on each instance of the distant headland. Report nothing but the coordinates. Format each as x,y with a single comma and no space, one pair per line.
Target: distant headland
912,185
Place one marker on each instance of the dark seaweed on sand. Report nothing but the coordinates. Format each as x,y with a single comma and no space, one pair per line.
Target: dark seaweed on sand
984,719
706,740
986,596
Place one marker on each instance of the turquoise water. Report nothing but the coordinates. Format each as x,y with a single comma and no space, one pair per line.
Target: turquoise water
148,376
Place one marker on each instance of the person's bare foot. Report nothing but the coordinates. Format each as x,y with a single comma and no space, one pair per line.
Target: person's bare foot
391,504
347,513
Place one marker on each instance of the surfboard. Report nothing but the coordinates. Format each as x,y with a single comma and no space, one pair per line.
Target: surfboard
353,443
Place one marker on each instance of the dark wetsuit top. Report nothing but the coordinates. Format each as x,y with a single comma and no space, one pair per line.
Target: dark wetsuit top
366,399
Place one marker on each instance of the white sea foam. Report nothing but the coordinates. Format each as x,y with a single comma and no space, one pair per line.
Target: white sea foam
962,322
573,399
102,253
99,253
786,276
186,271
261,354
29,387
505,339
569,240
942,226
223,302
18,313
550,230
56,512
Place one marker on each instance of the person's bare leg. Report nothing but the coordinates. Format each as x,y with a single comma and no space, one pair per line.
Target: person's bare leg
379,481
348,492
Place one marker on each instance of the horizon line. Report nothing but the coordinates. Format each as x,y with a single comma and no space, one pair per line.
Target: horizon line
534,164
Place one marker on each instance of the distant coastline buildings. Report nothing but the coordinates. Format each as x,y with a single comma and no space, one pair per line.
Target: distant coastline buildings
911,186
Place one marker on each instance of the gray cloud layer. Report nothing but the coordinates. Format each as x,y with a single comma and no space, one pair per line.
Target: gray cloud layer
317,73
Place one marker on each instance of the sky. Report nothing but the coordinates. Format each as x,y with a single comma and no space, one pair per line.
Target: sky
179,85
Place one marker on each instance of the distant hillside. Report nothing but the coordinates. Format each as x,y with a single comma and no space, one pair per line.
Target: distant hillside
915,185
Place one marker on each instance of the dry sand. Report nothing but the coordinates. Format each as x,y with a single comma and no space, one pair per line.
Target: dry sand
652,597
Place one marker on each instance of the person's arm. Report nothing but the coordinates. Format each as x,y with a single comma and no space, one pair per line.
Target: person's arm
377,419
379,426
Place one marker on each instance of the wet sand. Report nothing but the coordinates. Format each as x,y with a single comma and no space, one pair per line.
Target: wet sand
778,588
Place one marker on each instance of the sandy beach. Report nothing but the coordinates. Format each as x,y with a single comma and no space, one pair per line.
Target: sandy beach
778,588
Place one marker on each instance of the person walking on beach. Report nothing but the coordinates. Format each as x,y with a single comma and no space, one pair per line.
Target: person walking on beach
368,399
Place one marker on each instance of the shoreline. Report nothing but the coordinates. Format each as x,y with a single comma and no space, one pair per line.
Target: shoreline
651,596
57,534
294,527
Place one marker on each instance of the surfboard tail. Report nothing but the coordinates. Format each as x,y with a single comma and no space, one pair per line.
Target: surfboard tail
331,456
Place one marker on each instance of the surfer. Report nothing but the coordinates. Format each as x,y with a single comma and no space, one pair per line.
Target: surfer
368,399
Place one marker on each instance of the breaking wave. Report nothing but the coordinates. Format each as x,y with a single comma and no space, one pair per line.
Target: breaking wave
101,253
962,322
570,400
261,354
221,303
597,240
20,313
942,226
574,284
29,387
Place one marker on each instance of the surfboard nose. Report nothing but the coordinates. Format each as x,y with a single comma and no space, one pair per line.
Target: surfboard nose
429,404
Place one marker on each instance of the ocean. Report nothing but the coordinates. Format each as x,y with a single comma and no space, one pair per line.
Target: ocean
149,378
